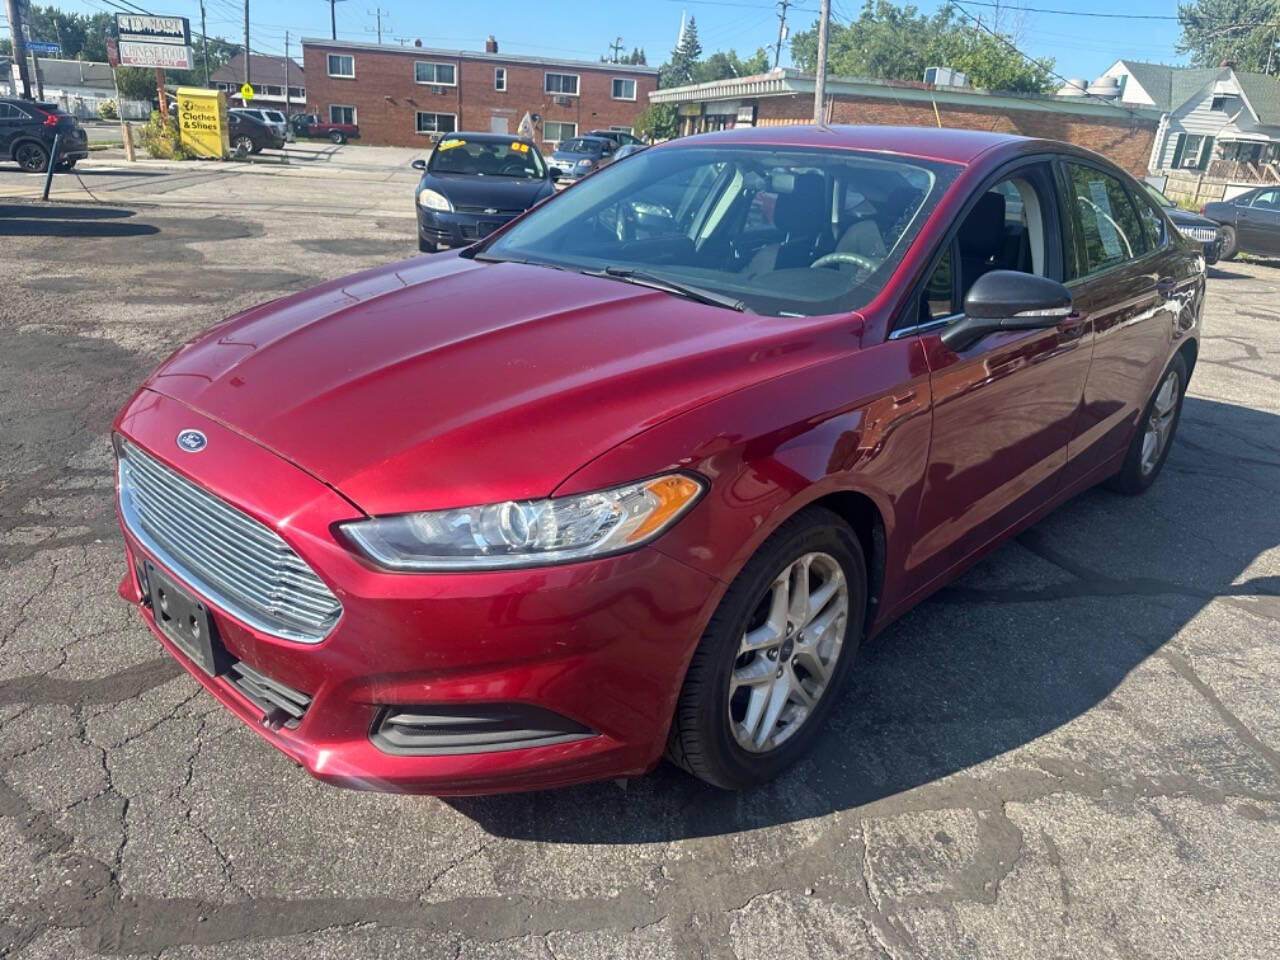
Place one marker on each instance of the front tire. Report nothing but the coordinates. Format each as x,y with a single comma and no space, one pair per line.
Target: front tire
243,145
1153,437
1229,249
337,137
32,157
775,655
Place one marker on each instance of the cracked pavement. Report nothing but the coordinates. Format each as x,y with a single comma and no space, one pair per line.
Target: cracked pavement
1074,751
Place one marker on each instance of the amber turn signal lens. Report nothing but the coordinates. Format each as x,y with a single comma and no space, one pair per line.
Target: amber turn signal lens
672,494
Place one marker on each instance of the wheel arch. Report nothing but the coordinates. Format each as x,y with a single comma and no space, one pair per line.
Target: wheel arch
861,513
27,138
1189,351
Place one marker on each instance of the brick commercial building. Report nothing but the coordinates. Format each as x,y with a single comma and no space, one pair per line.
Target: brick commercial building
407,95
1122,132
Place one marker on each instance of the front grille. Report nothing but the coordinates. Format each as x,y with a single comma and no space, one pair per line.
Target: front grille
489,211
439,729
1200,234
280,704
231,559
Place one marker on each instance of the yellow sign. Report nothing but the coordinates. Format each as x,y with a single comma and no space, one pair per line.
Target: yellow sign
202,119
246,92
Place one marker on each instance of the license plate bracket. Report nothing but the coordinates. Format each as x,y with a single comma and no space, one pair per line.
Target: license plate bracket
186,621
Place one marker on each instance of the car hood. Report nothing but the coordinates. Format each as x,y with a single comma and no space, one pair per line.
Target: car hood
441,381
573,157
1185,218
501,193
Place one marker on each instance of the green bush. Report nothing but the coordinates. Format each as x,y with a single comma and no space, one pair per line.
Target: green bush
107,110
162,139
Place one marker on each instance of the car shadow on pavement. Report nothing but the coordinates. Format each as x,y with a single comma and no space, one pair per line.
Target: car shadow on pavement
59,220
1218,273
1029,640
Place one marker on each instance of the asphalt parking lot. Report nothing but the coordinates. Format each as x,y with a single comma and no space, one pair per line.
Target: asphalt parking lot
1072,752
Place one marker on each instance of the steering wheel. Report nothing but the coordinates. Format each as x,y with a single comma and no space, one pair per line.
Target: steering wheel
845,256
512,168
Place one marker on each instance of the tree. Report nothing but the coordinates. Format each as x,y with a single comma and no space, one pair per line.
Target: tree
1240,30
679,70
722,66
658,121
887,42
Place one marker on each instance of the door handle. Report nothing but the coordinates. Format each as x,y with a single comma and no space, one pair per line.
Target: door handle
1073,323
1164,287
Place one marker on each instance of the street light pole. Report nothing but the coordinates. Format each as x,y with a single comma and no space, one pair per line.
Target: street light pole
820,81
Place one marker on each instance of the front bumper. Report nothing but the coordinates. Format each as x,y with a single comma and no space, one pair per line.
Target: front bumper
457,229
603,644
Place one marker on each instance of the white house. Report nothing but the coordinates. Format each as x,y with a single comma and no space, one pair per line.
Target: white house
1217,119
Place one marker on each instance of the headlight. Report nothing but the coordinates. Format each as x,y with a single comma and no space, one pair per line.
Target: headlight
527,533
584,163
432,200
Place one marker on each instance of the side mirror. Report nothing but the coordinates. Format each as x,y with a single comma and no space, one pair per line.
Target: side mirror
553,173
1008,300
419,165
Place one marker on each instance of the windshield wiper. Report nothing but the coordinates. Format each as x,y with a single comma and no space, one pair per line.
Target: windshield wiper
483,257
700,294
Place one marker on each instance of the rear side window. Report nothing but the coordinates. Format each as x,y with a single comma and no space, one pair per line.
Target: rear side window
1267,200
1110,231
1152,221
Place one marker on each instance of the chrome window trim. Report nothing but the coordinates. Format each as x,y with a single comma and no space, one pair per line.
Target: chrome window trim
200,585
918,328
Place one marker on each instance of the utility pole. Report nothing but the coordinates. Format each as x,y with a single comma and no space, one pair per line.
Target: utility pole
616,46
246,45
287,102
819,81
19,47
782,31
204,43
333,19
378,13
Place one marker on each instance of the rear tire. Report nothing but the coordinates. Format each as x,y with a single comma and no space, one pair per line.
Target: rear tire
1154,434
726,729
1228,250
32,157
338,137
243,145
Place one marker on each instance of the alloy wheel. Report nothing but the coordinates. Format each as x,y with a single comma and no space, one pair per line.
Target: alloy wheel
31,157
788,652
1160,422
243,143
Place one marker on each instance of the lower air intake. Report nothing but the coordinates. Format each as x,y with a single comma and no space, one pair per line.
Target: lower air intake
470,728
281,705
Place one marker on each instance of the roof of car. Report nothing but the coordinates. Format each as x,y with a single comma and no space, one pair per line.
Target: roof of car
955,146
486,137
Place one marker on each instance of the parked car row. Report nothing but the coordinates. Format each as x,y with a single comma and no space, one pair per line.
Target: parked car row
1250,222
636,474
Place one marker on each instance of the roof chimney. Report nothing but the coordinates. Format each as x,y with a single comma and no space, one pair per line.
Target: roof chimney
418,42
491,45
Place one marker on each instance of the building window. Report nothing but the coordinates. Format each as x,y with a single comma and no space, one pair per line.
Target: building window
555,132
1192,144
500,78
297,93
1226,103
624,88
437,74
338,113
270,91
341,65
561,84
620,129
431,123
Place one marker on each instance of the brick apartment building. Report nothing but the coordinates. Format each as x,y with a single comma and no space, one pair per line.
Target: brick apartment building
405,96
1122,132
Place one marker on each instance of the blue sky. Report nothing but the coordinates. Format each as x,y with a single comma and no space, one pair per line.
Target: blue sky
1082,46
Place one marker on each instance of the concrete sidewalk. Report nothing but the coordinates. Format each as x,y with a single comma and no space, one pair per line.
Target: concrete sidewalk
304,178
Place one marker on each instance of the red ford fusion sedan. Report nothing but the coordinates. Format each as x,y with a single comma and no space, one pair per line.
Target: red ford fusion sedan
636,475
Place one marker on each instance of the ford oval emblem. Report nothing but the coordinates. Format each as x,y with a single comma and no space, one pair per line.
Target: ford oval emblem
192,441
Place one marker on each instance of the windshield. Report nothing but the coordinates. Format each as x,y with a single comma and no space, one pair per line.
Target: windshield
581,145
486,158
1159,197
785,231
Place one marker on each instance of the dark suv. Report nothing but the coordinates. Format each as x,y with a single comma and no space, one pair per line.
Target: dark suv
248,134
27,130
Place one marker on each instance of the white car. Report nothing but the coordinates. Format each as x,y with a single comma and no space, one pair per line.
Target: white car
272,118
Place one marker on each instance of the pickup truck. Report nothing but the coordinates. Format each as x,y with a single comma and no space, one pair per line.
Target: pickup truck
311,126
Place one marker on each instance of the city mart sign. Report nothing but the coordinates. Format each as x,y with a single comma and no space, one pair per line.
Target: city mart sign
147,41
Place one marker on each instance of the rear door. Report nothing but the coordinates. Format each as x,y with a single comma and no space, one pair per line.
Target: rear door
1004,406
1125,275
8,128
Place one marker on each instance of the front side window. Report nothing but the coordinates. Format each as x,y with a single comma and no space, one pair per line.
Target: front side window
1267,200
341,114
756,225
555,132
624,88
432,123
1152,222
341,65
1109,228
562,84
436,74
500,78
486,158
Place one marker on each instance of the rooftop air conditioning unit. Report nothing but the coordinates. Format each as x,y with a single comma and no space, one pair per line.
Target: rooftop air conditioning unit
562,101
946,77
438,91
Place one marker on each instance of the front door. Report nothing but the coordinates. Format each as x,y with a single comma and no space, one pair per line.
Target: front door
1258,225
1003,407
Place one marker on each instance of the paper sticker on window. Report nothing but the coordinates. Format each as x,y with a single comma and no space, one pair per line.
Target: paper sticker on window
450,144
520,147
1108,234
